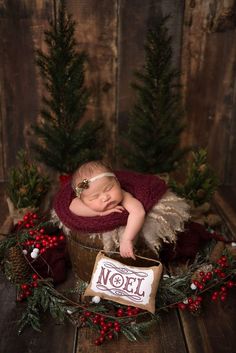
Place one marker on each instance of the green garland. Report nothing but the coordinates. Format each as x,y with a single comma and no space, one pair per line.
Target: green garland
185,290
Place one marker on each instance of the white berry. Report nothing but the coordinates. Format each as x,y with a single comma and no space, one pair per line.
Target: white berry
193,286
96,299
34,255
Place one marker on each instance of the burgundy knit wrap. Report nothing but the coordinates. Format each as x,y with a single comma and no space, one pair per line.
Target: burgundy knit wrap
148,189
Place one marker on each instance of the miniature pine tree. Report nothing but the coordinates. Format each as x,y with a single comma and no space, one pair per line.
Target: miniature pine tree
64,141
26,185
156,118
201,181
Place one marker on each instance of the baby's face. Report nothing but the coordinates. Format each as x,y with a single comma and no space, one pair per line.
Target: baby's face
103,194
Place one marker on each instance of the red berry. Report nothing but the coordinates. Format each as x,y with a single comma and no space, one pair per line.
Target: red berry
97,342
222,275
101,339
181,306
223,297
110,336
120,312
230,284
192,307
87,313
105,327
35,276
116,324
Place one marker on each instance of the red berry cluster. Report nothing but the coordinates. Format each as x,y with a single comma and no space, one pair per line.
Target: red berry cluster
192,304
29,220
216,276
219,272
26,289
107,327
38,237
129,311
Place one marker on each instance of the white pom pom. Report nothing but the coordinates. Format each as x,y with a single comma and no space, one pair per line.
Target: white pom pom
69,312
96,299
34,255
36,250
25,252
165,276
193,286
233,244
185,301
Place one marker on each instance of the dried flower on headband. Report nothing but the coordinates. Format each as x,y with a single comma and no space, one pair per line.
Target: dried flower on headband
81,186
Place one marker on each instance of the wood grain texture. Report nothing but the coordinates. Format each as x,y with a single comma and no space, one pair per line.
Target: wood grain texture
21,26
53,338
208,68
96,34
214,330
165,336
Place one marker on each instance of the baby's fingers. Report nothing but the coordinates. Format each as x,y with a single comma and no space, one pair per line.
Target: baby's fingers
119,209
127,254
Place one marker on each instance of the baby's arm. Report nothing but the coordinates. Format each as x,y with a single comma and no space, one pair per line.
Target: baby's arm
134,224
80,209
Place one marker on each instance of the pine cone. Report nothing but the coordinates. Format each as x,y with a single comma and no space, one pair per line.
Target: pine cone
15,265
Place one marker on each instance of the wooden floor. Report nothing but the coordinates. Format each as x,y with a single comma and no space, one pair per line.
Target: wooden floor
214,331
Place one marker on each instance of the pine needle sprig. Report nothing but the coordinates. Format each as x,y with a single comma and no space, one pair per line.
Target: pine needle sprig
30,317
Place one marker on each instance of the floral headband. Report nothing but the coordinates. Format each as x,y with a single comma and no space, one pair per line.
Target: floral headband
85,183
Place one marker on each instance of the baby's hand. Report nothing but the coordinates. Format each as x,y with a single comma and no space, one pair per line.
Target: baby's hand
126,249
118,209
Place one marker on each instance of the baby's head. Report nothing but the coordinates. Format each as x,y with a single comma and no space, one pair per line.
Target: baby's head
97,186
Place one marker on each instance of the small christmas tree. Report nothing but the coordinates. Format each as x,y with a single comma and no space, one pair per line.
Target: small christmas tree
201,181
155,121
64,141
26,186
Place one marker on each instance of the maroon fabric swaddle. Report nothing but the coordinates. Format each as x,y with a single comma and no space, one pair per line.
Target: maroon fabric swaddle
148,189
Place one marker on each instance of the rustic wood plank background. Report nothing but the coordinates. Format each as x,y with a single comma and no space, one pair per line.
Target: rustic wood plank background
209,69
112,32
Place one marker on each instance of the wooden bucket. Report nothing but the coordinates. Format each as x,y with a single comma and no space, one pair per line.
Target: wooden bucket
83,250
